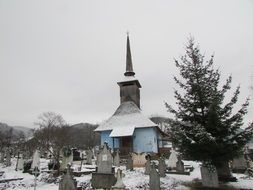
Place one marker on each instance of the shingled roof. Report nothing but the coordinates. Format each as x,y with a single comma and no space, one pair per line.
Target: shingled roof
125,119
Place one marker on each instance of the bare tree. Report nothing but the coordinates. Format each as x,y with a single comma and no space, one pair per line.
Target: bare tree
52,135
6,138
50,119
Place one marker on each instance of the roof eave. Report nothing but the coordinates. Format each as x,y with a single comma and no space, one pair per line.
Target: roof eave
128,82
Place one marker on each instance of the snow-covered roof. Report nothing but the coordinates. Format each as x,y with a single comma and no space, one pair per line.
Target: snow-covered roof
127,79
125,119
122,132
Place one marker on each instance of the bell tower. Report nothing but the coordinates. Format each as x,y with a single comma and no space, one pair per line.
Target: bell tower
130,86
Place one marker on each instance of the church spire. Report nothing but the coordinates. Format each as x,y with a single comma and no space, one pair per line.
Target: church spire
129,65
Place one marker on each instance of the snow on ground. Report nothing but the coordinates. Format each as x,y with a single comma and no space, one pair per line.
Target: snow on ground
243,182
132,179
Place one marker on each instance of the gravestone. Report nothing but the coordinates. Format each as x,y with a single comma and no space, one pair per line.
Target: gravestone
162,167
81,164
154,178
209,176
104,164
139,159
36,160
66,159
104,177
180,165
249,170
116,159
8,157
239,164
89,157
96,157
26,155
20,165
224,172
119,184
68,182
129,163
249,161
2,157
147,166
172,162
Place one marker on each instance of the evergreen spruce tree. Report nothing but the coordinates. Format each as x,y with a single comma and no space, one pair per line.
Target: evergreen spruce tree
206,128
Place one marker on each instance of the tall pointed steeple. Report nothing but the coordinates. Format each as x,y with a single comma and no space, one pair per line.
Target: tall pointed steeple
129,64
130,86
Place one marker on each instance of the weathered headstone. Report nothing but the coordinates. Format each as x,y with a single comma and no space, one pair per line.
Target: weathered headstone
95,153
209,176
2,157
249,161
129,163
104,164
249,170
154,178
162,167
239,164
66,159
20,165
104,177
89,157
8,157
116,159
36,160
81,164
119,184
68,182
139,159
224,172
26,155
180,165
172,162
147,166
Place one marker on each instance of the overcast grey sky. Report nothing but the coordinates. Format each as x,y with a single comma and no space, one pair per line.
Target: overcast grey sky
67,56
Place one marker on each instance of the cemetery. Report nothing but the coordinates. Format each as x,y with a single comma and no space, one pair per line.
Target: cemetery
107,174
62,56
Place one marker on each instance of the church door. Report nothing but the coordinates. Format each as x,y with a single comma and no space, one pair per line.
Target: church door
126,145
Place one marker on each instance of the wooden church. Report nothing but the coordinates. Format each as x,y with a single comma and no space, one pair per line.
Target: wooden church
128,130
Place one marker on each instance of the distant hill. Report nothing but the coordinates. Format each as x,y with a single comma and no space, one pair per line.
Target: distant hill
16,129
83,135
84,125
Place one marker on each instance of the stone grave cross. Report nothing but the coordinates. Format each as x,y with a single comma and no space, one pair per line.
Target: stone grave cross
162,167
119,184
116,159
8,157
89,157
147,165
154,178
36,160
129,164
